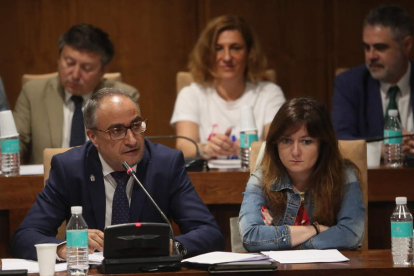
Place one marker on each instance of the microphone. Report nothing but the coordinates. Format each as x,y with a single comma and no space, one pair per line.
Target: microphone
380,138
196,164
130,171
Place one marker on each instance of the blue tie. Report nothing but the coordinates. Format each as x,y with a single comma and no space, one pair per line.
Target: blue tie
120,204
77,133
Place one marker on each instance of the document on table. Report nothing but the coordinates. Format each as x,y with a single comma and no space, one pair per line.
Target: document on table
306,256
31,169
33,266
218,257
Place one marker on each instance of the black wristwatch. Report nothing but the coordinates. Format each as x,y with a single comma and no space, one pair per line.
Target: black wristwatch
180,248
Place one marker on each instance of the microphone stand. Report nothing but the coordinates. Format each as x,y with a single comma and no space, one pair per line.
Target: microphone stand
196,164
130,171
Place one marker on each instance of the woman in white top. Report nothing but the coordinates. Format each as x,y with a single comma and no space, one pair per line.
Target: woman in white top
227,64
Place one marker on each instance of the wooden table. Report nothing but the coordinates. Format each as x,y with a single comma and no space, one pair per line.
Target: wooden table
364,263
222,191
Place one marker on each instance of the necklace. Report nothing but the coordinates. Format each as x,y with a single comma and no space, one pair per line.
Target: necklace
302,196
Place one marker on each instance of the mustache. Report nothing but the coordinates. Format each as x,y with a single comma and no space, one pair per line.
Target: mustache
375,63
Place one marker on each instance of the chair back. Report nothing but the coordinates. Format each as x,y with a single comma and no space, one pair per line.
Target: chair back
48,153
185,78
340,70
28,77
356,151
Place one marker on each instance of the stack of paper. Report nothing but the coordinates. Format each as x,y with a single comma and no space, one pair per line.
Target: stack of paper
306,256
225,257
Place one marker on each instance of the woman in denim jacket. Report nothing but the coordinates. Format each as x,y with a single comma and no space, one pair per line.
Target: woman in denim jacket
304,195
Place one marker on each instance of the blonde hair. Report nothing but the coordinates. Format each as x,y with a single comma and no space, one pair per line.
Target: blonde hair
203,56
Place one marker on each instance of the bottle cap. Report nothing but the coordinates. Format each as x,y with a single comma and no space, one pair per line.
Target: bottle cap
393,112
401,200
247,121
76,210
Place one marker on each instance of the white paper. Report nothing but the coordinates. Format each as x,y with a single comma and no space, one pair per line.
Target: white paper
96,258
306,256
224,164
31,169
31,266
224,257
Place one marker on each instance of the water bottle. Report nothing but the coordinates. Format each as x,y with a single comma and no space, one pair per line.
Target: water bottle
393,146
248,134
77,243
10,156
402,233
246,140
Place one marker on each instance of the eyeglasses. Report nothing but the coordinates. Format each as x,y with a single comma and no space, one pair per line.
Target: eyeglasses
120,132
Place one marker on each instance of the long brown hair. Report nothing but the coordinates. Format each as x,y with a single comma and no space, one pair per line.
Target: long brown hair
329,171
203,57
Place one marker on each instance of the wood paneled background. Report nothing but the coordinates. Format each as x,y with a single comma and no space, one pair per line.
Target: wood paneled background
305,41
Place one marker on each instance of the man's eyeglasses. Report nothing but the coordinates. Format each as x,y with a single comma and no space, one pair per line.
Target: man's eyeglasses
120,132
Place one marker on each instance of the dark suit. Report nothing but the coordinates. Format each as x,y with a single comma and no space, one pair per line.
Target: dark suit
161,171
357,106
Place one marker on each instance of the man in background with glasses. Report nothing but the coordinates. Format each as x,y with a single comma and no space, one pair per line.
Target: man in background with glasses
89,176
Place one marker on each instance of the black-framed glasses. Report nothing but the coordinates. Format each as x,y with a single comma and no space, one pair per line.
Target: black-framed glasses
120,132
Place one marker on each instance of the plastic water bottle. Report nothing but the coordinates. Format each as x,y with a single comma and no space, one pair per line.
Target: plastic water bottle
77,243
246,140
248,134
402,233
10,156
393,146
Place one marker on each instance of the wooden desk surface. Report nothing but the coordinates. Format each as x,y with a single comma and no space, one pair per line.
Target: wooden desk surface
364,263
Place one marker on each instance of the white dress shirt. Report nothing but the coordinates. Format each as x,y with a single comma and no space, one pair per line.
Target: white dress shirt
68,110
402,99
110,186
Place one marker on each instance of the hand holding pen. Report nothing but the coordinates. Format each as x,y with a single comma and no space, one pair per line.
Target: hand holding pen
221,145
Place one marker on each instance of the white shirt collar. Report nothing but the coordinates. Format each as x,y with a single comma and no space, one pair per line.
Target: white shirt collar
85,97
403,84
106,169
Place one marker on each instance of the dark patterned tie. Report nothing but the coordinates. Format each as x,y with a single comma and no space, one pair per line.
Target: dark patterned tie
392,92
120,204
77,133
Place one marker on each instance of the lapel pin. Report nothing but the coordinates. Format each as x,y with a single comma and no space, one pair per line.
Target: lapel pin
92,177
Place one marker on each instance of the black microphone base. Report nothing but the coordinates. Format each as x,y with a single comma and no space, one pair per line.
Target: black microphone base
196,165
409,160
137,265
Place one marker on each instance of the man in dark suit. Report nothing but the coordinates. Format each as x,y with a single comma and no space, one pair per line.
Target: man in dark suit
85,176
46,110
364,94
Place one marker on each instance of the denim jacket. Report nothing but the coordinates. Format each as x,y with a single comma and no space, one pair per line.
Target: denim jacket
346,234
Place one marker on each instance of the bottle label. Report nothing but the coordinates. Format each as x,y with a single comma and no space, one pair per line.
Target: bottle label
246,140
391,133
402,229
76,238
10,146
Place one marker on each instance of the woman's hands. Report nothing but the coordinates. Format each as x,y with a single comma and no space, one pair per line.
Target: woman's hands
222,145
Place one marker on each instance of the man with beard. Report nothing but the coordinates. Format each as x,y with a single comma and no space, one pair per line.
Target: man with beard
364,94
92,176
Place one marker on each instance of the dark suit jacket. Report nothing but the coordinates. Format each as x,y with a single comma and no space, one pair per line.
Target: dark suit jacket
357,106
161,171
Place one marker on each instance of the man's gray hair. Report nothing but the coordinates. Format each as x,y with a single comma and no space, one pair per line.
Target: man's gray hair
92,105
391,16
